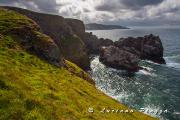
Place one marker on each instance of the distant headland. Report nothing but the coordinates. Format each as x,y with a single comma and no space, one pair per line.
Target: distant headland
95,26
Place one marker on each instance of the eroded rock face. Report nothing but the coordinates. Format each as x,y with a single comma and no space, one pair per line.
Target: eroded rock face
118,58
77,26
27,34
147,47
62,31
127,52
94,44
38,44
74,50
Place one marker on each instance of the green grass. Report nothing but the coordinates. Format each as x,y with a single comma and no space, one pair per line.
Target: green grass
32,89
10,20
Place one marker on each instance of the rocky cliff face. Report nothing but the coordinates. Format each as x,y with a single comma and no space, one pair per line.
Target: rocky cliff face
62,31
28,35
148,47
77,26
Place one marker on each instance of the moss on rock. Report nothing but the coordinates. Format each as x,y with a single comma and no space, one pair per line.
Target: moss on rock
27,34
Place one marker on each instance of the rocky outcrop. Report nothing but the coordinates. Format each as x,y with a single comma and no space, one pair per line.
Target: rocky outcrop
127,52
27,34
148,47
62,31
118,58
94,44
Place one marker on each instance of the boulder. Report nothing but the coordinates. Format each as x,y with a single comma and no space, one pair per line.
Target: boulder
148,47
118,58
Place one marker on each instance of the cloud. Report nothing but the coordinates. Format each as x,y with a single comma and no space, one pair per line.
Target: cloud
49,6
125,4
137,4
128,12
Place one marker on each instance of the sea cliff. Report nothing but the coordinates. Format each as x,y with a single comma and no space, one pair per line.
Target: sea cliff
36,79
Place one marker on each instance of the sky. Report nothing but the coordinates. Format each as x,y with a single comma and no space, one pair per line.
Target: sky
120,12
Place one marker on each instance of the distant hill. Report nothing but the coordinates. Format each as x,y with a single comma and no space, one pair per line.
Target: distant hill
95,26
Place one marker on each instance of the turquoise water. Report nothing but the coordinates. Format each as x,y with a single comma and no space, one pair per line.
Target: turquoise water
153,90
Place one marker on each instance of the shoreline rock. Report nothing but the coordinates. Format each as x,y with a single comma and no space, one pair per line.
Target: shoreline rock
148,47
127,52
118,58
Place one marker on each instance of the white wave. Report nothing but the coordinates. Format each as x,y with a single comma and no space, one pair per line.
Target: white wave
148,68
172,62
123,96
147,71
173,65
149,61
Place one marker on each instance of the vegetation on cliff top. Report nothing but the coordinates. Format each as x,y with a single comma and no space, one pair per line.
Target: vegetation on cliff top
31,88
64,32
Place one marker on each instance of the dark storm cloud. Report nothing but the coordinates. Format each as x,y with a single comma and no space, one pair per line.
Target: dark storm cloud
49,6
125,4
135,4
46,5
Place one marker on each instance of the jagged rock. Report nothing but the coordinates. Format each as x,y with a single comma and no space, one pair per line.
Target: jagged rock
94,44
118,58
147,47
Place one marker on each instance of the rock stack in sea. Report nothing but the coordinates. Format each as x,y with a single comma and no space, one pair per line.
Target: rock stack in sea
127,52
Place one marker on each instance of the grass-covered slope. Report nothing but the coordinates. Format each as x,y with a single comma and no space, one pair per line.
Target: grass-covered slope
28,35
33,89
64,32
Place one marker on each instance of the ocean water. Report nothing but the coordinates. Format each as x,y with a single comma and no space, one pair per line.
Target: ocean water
155,90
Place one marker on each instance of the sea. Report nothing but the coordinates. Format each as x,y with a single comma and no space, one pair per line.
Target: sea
155,92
